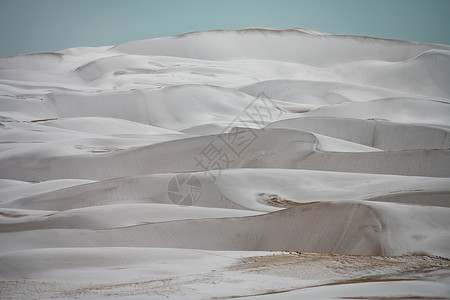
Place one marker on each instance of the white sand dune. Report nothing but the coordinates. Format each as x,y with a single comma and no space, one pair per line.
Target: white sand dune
327,227
107,126
274,148
16,189
191,274
429,68
230,163
375,133
284,45
250,189
401,110
320,92
99,217
161,107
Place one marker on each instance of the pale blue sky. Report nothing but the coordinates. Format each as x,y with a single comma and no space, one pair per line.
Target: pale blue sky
49,25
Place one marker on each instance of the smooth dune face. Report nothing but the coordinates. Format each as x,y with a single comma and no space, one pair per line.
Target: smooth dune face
258,162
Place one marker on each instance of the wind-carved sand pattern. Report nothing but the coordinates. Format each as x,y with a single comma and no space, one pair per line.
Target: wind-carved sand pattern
255,163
